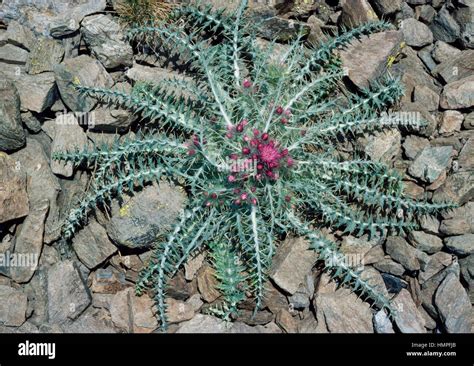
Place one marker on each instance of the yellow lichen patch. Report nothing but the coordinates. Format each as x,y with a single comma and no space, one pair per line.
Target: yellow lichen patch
76,80
124,210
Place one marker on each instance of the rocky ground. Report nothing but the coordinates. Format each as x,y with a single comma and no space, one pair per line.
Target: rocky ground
90,288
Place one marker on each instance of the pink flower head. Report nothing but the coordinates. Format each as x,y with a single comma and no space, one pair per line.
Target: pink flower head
244,122
214,195
269,154
284,120
245,151
240,127
254,201
247,83
233,156
229,135
287,198
290,162
256,132
279,110
246,138
288,112
265,136
231,178
243,196
191,152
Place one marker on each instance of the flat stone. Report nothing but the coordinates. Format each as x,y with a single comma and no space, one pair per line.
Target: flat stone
207,284
11,54
92,321
82,70
443,52
356,13
193,265
37,92
203,324
68,295
148,213
407,318
108,281
415,33
19,35
444,27
178,311
366,59
413,145
29,242
435,264
67,135
454,305
41,184
455,67
381,146
426,97
451,122
292,263
13,194
426,242
382,323
461,221
104,36
389,266
13,305
12,135
386,7
458,94
432,161
466,156
344,312
458,188
460,244
133,313
92,245
44,55
402,252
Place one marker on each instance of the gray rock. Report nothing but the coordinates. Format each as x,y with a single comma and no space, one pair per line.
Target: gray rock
51,18
133,313
19,35
426,97
67,135
37,92
92,245
453,305
91,321
389,266
458,94
68,295
425,55
13,194
429,224
444,27
432,161
356,13
406,12
467,272
466,156
366,59
426,13
12,136
103,35
427,243
413,145
178,311
13,55
456,67
460,244
451,122
434,265
292,263
443,52
416,33
381,146
29,242
42,184
301,299
147,214
459,188
344,312
13,305
461,221
386,7
82,70
407,318
402,252
44,55
382,323
31,122
273,27
207,284
193,265
203,324
469,121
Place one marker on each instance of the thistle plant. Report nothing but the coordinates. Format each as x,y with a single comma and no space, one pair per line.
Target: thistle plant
252,137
